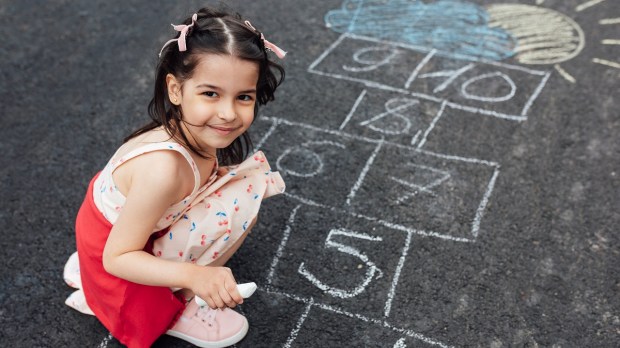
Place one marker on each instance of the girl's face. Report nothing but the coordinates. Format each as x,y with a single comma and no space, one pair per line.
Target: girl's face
217,102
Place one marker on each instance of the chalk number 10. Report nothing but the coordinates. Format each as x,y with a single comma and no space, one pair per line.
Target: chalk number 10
370,271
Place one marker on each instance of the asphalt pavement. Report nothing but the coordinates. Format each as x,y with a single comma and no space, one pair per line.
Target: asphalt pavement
449,183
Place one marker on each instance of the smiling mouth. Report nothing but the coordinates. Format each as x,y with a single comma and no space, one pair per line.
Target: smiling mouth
223,130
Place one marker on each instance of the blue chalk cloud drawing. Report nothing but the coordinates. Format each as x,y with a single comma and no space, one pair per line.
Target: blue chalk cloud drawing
452,27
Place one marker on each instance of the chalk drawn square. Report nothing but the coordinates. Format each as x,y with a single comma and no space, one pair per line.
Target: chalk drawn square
338,259
471,135
446,284
392,116
430,193
316,164
265,333
493,88
377,64
344,330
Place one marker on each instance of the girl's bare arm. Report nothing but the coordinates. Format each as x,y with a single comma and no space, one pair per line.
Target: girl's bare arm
157,183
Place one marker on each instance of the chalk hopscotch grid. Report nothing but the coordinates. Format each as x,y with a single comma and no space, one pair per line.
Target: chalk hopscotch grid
372,84
310,302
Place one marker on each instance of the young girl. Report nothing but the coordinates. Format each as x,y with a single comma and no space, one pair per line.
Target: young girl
163,215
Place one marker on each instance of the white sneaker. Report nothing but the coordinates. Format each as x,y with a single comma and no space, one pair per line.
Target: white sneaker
77,301
71,272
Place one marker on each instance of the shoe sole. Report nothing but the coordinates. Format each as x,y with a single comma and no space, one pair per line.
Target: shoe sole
68,275
208,344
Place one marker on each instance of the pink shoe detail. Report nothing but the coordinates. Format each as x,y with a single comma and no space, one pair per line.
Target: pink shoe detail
71,272
211,328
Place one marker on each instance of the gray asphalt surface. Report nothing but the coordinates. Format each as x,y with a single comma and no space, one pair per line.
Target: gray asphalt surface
438,218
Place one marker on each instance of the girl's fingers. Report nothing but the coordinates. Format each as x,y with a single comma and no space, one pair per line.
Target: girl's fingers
210,302
217,300
234,293
227,299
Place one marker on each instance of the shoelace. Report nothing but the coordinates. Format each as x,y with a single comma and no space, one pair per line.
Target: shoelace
206,314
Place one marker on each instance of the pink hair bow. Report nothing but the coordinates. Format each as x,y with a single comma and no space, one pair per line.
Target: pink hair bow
268,45
184,29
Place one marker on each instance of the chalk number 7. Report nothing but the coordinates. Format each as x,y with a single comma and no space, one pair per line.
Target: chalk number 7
370,271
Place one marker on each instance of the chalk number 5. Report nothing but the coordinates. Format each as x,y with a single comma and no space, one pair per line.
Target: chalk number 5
371,269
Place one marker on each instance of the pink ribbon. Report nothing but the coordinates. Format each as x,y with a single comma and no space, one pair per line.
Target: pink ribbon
268,45
184,29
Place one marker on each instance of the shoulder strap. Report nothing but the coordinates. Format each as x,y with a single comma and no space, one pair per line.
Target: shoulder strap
158,147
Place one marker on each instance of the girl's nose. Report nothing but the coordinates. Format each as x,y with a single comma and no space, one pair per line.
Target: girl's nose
227,112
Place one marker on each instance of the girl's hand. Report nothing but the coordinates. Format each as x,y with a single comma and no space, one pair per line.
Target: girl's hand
217,286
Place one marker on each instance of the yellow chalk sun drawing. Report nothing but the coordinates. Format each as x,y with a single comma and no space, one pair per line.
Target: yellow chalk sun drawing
545,36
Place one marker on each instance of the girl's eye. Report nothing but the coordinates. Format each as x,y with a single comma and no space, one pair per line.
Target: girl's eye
210,94
245,97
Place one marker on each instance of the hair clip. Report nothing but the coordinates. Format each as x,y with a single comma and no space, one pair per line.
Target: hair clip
268,45
184,29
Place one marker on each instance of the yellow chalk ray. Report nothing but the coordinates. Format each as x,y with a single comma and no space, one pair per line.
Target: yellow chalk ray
606,63
587,5
609,21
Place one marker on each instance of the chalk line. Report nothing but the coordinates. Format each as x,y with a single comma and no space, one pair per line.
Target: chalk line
362,175
587,5
293,335
353,109
401,263
413,47
458,56
537,91
285,237
272,128
458,158
105,341
513,88
419,67
400,343
328,51
377,141
294,173
474,110
451,74
372,84
412,186
609,21
369,65
333,309
483,204
415,138
387,224
606,62
432,125
393,112
564,74
610,42
367,83
346,249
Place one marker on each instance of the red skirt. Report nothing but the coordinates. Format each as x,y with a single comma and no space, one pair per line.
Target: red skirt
135,314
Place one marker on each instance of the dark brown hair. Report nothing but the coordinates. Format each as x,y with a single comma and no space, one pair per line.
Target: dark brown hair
215,32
